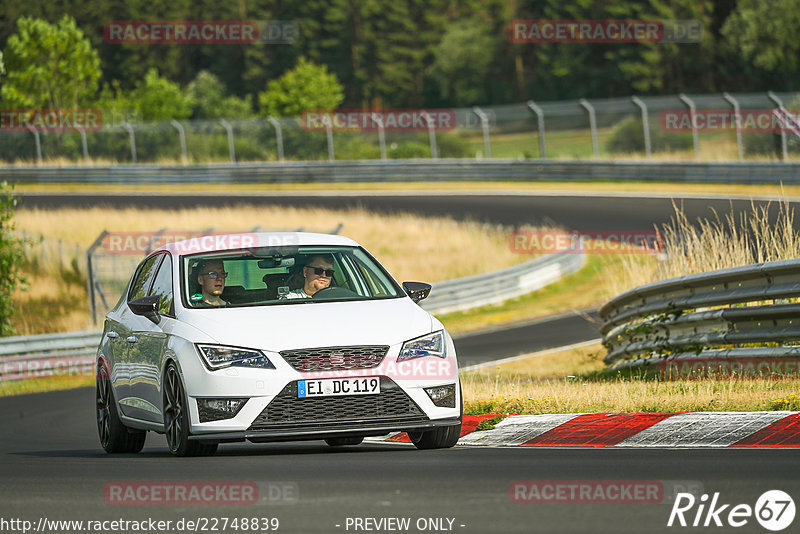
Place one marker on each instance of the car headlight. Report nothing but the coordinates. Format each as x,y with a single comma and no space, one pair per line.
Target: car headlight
219,357
427,345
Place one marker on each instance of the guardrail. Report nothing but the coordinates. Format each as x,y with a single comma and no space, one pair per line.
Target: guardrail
74,353
408,171
708,323
49,354
491,288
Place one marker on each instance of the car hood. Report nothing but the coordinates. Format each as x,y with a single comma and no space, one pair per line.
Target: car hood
318,324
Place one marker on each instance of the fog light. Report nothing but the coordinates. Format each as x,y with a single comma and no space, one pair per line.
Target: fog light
443,396
218,409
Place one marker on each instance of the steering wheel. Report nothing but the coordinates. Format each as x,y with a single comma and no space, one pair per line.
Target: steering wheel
333,293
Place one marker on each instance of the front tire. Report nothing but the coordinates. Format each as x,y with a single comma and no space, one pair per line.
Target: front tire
176,419
443,437
115,437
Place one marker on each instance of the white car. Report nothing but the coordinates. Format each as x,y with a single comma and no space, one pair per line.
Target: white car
216,340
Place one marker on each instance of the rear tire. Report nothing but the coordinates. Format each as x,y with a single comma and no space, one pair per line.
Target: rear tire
115,437
176,419
339,442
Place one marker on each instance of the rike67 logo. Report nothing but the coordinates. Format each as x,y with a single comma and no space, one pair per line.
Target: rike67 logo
774,510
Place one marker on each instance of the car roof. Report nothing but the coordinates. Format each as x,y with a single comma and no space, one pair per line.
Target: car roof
224,242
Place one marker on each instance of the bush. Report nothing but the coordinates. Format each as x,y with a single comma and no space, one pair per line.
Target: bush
11,257
628,138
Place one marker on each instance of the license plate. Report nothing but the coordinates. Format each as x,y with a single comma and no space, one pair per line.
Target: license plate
338,386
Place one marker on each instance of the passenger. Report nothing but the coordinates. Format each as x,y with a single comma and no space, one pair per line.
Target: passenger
211,277
317,275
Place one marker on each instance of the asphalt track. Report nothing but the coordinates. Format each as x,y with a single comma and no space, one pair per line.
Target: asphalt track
575,212
52,466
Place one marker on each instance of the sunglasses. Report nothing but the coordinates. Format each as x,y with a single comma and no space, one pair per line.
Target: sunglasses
215,275
319,271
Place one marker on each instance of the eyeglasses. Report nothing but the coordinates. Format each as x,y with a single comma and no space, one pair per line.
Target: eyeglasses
215,275
319,271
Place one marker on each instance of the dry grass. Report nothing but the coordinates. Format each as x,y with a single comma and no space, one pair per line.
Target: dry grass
411,247
50,302
565,382
710,244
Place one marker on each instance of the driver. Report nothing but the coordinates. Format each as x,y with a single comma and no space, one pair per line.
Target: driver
211,277
317,275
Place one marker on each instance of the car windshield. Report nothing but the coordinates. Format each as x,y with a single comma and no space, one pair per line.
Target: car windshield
284,275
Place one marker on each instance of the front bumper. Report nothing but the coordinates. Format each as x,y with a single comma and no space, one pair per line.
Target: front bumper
351,428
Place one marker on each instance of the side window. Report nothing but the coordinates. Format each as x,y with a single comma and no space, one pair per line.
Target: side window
143,277
162,287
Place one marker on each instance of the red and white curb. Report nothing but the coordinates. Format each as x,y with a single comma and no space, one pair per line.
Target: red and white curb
697,429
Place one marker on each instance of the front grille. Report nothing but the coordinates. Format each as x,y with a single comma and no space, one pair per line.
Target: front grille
335,358
287,409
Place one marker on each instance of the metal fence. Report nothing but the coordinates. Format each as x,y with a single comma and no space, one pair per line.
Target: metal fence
718,322
495,287
48,355
409,171
579,129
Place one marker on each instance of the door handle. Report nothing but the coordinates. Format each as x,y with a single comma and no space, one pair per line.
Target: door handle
112,335
131,339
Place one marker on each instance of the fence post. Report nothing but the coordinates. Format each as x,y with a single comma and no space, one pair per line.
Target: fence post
592,124
381,134
692,113
737,122
329,136
278,135
182,136
229,129
784,148
540,122
487,148
128,128
38,143
645,124
84,145
431,135
90,275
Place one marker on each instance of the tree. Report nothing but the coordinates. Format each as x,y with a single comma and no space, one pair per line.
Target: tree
157,99
766,33
306,87
210,101
49,65
11,257
461,63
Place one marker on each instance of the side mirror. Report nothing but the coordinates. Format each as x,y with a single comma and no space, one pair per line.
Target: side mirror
417,290
146,307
